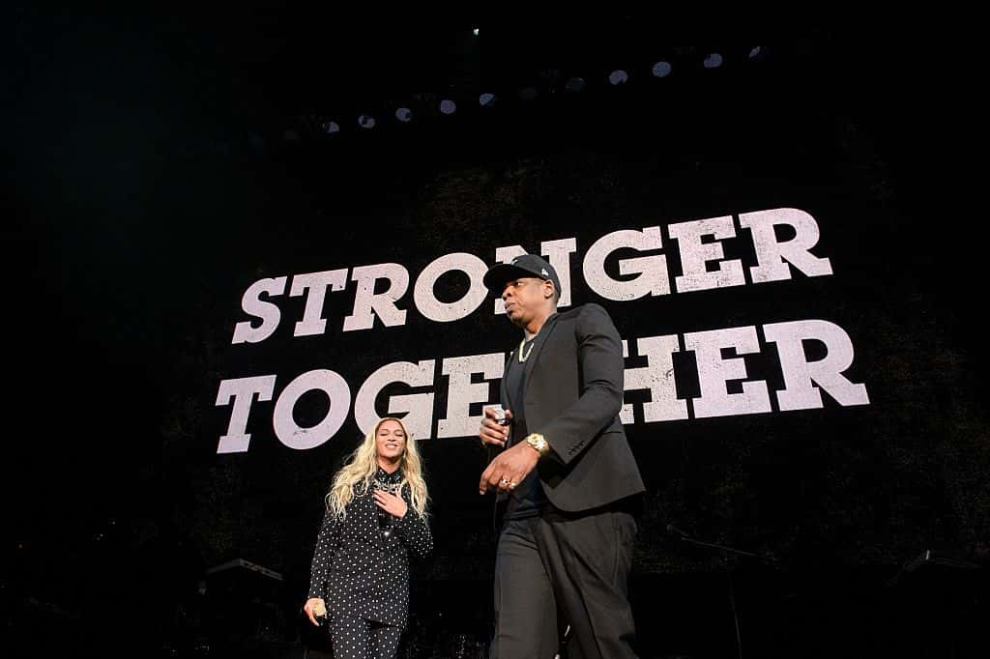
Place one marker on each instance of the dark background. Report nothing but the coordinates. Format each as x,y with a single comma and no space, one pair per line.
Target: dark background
160,162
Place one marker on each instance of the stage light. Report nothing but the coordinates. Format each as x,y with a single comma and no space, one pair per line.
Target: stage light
757,53
618,77
662,69
575,85
713,61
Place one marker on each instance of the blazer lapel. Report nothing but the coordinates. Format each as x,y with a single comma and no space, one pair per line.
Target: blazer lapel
543,338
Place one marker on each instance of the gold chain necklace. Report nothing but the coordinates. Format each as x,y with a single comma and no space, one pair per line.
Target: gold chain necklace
522,344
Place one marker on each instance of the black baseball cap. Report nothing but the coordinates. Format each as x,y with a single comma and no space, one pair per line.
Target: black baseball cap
527,265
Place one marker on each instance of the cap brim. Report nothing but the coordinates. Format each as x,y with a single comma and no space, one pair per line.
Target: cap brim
498,275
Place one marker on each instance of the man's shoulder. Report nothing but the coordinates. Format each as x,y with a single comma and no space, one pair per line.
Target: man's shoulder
583,311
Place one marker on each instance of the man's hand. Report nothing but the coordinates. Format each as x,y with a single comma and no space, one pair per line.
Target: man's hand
491,433
509,469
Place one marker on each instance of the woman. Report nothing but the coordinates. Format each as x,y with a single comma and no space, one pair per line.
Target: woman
375,517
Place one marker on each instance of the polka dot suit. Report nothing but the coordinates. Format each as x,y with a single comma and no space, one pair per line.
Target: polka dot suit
361,570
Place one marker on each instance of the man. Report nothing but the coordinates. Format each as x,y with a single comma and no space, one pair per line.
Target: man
565,479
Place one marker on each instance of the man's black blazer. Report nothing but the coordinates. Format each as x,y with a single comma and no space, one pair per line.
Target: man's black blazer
573,384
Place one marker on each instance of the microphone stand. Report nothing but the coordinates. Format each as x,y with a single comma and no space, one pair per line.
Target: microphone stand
725,550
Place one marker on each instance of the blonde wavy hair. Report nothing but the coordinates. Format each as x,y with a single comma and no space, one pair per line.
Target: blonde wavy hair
359,471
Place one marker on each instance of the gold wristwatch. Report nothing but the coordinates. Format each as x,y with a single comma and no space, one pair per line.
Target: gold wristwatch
538,442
